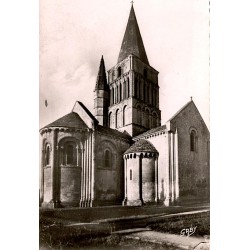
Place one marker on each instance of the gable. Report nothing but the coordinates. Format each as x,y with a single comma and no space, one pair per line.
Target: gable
187,117
85,115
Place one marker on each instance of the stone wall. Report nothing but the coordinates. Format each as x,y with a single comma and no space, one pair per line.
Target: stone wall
148,179
109,178
70,185
47,184
193,165
160,142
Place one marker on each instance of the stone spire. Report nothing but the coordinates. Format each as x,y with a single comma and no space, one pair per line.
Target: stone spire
101,81
132,41
101,96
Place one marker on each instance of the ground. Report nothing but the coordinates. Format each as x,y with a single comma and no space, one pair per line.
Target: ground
99,228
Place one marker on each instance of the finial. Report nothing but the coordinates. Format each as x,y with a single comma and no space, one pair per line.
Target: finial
191,98
132,2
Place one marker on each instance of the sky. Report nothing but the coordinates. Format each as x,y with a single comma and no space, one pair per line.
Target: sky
74,34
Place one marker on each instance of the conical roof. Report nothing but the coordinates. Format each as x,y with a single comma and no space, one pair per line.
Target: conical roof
71,120
132,41
142,146
101,81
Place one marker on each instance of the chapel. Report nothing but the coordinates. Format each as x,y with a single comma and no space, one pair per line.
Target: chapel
122,153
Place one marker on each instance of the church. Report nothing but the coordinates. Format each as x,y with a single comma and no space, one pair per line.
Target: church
123,154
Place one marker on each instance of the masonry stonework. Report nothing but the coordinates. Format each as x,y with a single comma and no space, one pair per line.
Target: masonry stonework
122,154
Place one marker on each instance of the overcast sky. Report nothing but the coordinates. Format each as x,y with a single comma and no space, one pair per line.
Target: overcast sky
74,34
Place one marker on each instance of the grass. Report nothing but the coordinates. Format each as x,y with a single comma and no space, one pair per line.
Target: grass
109,242
53,235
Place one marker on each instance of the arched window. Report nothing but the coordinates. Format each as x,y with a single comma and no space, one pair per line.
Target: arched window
124,90
120,92
145,73
116,94
124,115
111,96
119,72
47,155
130,174
193,140
110,120
116,118
107,158
69,154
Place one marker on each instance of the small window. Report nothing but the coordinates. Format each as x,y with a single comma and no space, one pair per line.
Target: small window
107,159
193,141
69,154
124,115
116,118
130,174
110,119
119,72
47,155
145,73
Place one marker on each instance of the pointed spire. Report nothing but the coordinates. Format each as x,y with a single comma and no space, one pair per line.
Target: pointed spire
132,41
101,82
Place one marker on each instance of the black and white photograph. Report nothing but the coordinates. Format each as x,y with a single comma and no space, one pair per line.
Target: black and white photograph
124,124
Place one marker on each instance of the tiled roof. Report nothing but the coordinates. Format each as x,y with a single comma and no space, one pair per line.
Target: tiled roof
113,132
151,131
142,146
71,120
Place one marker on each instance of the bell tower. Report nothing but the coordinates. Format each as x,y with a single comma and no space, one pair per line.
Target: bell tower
133,84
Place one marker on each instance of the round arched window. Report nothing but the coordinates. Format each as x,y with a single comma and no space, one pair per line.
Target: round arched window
47,155
107,158
193,139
